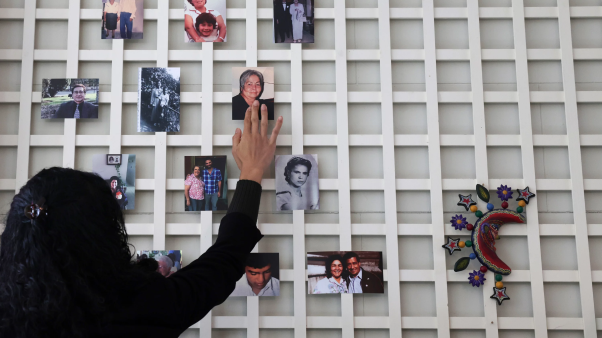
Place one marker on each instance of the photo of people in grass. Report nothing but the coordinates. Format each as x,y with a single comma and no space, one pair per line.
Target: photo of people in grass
69,98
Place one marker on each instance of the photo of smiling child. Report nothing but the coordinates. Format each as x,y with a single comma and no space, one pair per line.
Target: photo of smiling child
204,23
297,182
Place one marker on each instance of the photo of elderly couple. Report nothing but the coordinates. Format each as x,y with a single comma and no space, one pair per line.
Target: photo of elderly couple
204,22
165,262
205,183
124,16
293,21
345,272
261,278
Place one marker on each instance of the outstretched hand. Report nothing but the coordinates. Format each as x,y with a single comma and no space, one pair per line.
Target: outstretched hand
251,148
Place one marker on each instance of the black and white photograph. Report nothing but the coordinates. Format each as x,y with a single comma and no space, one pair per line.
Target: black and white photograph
121,178
345,272
250,84
205,21
297,186
205,183
165,262
293,21
113,159
122,19
261,277
158,99
69,98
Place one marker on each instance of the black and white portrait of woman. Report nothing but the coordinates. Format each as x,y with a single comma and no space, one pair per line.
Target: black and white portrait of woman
250,84
297,182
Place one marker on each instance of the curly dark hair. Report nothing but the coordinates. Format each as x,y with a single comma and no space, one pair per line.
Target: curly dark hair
329,261
291,165
62,274
205,18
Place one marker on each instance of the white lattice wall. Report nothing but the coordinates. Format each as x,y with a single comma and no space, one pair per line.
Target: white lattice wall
407,103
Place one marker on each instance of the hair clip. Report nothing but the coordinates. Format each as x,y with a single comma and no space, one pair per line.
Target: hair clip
34,210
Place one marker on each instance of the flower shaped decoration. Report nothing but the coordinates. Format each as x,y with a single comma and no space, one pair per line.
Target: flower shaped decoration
458,222
504,192
476,278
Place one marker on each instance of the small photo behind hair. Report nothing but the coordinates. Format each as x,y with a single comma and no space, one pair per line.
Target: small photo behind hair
345,272
69,98
297,184
205,21
261,277
121,178
205,183
165,262
250,84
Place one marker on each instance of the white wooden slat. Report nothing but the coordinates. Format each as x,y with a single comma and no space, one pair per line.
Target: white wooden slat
328,13
358,140
116,96
72,72
432,111
358,97
480,143
24,97
342,142
528,161
575,165
307,55
207,150
298,215
390,193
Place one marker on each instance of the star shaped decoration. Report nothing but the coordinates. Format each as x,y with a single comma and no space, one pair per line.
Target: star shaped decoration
452,245
466,201
524,195
500,295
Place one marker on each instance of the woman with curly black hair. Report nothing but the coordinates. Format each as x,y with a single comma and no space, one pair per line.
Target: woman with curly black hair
65,261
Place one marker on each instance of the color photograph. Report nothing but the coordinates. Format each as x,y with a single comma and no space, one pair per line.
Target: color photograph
120,177
165,262
250,84
205,183
205,21
345,272
293,21
69,98
158,99
297,185
122,19
261,278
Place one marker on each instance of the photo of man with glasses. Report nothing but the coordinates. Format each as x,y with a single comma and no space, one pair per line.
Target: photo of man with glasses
70,98
78,108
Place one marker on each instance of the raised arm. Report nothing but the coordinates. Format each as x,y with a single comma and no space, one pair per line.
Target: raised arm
210,279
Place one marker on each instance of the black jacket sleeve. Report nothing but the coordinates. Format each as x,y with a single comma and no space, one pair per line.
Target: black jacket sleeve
210,279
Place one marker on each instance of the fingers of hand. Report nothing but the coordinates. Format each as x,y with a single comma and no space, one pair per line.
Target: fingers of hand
276,130
247,127
255,117
264,120
235,139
